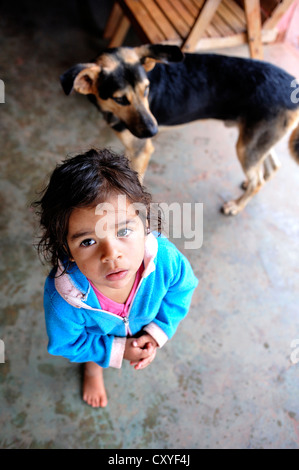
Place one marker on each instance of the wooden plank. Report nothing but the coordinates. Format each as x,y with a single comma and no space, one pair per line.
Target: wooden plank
231,19
161,21
183,12
205,44
143,23
221,25
231,41
254,28
235,9
191,7
212,32
174,18
120,33
198,3
276,14
206,14
269,35
113,21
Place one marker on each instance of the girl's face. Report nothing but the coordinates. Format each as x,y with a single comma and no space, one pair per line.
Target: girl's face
107,243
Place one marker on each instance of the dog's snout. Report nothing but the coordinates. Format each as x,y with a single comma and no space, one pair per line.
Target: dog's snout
146,127
150,130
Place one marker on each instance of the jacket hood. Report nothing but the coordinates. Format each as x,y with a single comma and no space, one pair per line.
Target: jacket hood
74,287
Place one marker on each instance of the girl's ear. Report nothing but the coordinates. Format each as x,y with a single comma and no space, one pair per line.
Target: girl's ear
68,253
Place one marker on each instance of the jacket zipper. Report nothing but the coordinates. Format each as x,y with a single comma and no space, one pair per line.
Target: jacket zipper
125,319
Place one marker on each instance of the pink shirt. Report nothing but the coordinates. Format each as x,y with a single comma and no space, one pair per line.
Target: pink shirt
115,307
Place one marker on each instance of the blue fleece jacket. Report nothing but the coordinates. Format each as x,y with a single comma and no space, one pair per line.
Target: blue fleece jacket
81,331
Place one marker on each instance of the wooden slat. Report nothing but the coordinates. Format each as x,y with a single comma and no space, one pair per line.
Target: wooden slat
221,25
236,25
183,12
225,20
191,7
205,44
161,21
145,26
254,28
269,35
214,25
212,32
204,18
113,21
276,15
235,9
194,23
198,3
175,19
120,33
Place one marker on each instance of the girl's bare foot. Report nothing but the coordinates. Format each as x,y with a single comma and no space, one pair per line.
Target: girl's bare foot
94,392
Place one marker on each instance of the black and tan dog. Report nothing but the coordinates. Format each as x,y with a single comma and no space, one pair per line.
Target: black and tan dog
139,88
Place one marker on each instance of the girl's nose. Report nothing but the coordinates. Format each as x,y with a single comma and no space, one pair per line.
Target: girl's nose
109,251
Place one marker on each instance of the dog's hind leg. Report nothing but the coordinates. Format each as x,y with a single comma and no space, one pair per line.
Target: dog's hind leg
255,180
254,150
138,151
270,165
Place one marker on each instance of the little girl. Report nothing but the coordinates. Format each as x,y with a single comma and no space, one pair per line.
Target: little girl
116,291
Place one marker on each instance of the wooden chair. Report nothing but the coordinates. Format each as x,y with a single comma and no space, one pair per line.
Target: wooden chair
195,24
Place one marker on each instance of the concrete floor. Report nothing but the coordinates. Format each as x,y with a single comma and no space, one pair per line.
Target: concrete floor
226,380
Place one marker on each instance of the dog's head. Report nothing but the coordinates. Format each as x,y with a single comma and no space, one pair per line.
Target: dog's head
118,81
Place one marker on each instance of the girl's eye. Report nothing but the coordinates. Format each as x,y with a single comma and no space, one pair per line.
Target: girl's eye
87,242
124,232
146,91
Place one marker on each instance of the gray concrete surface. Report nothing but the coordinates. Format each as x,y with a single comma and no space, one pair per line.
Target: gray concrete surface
226,380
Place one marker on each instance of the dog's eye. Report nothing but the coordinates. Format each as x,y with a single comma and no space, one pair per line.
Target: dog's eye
122,100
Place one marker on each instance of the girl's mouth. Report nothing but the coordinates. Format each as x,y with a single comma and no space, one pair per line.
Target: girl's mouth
117,275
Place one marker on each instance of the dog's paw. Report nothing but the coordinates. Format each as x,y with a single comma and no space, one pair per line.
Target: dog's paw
230,208
244,185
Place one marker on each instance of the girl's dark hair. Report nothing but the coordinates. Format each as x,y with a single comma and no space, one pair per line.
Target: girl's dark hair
81,181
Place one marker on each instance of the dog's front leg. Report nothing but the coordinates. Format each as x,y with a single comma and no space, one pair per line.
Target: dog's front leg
138,151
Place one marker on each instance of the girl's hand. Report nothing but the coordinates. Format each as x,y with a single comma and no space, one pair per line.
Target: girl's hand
143,363
134,352
147,343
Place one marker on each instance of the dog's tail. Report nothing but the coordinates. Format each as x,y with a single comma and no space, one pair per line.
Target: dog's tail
294,144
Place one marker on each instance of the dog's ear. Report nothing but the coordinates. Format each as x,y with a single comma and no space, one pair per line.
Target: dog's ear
150,54
81,77
86,80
